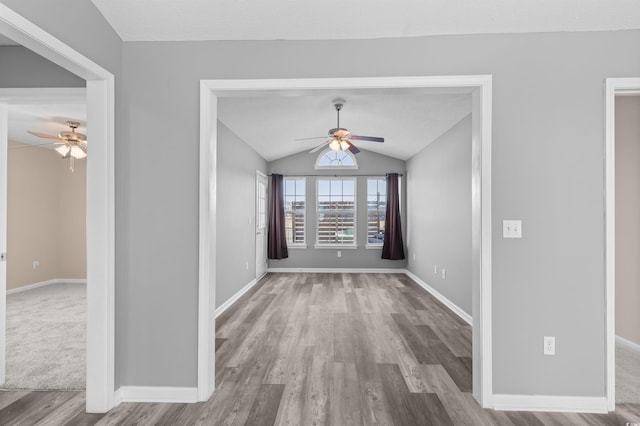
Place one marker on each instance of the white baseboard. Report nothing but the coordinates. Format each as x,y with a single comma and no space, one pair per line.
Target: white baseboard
567,404
448,303
628,343
45,283
226,305
155,394
341,270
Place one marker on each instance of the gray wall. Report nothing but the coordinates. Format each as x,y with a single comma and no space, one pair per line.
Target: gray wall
439,214
548,150
20,67
236,198
370,163
628,217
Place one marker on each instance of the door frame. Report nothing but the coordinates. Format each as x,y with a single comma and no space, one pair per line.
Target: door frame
259,175
100,200
613,87
481,88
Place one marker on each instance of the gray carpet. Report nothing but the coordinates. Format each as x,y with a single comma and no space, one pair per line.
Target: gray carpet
46,338
627,375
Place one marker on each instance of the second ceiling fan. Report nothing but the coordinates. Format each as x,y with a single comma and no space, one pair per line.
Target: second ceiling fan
340,139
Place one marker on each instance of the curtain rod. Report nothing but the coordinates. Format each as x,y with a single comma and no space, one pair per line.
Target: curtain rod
316,175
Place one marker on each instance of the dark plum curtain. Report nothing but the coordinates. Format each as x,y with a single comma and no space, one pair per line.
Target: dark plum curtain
392,247
276,237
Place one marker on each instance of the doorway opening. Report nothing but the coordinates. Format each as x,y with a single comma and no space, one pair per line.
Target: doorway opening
100,211
480,89
622,237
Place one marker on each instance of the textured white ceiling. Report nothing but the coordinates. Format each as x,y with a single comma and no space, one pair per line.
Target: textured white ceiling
43,118
163,20
407,119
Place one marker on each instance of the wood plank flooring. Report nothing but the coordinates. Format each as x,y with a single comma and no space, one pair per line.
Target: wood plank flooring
316,349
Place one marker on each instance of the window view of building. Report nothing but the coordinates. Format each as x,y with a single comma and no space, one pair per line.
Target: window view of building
294,210
376,209
336,211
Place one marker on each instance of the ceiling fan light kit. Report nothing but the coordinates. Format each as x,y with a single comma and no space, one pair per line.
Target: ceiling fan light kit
339,137
71,145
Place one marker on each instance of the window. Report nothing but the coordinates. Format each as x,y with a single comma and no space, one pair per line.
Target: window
336,212
376,210
329,159
294,210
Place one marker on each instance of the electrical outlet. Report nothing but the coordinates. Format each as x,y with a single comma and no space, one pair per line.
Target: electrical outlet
246,265
444,274
339,254
549,345
435,269
36,264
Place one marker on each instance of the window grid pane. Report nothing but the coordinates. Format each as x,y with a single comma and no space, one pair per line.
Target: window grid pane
336,211
294,210
376,209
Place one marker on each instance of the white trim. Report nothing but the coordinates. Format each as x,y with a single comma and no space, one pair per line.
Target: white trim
210,90
100,200
233,299
207,242
46,283
550,403
628,343
336,246
325,151
4,143
376,246
155,394
340,270
613,87
448,303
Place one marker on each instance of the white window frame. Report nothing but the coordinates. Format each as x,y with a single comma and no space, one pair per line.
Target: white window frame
373,245
327,150
304,212
353,245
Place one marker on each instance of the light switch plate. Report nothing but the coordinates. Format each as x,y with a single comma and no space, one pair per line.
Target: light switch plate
511,229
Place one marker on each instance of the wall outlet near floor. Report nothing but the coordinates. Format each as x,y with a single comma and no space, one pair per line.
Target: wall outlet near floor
444,274
549,345
36,265
339,254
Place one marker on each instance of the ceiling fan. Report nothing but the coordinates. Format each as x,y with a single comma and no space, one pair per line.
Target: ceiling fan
339,137
71,144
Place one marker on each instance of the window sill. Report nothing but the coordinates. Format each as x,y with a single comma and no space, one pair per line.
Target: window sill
296,246
336,246
373,246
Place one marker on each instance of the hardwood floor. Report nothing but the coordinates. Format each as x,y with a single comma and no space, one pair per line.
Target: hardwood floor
311,349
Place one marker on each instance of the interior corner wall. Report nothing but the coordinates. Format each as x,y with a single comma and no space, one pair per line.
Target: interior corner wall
627,134
369,163
235,220
46,218
439,214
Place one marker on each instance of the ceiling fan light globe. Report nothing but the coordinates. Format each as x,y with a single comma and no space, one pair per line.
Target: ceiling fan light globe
344,145
335,145
63,150
77,152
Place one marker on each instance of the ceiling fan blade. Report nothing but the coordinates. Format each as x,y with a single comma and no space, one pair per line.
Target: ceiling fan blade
353,148
33,146
319,147
45,136
308,139
366,138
